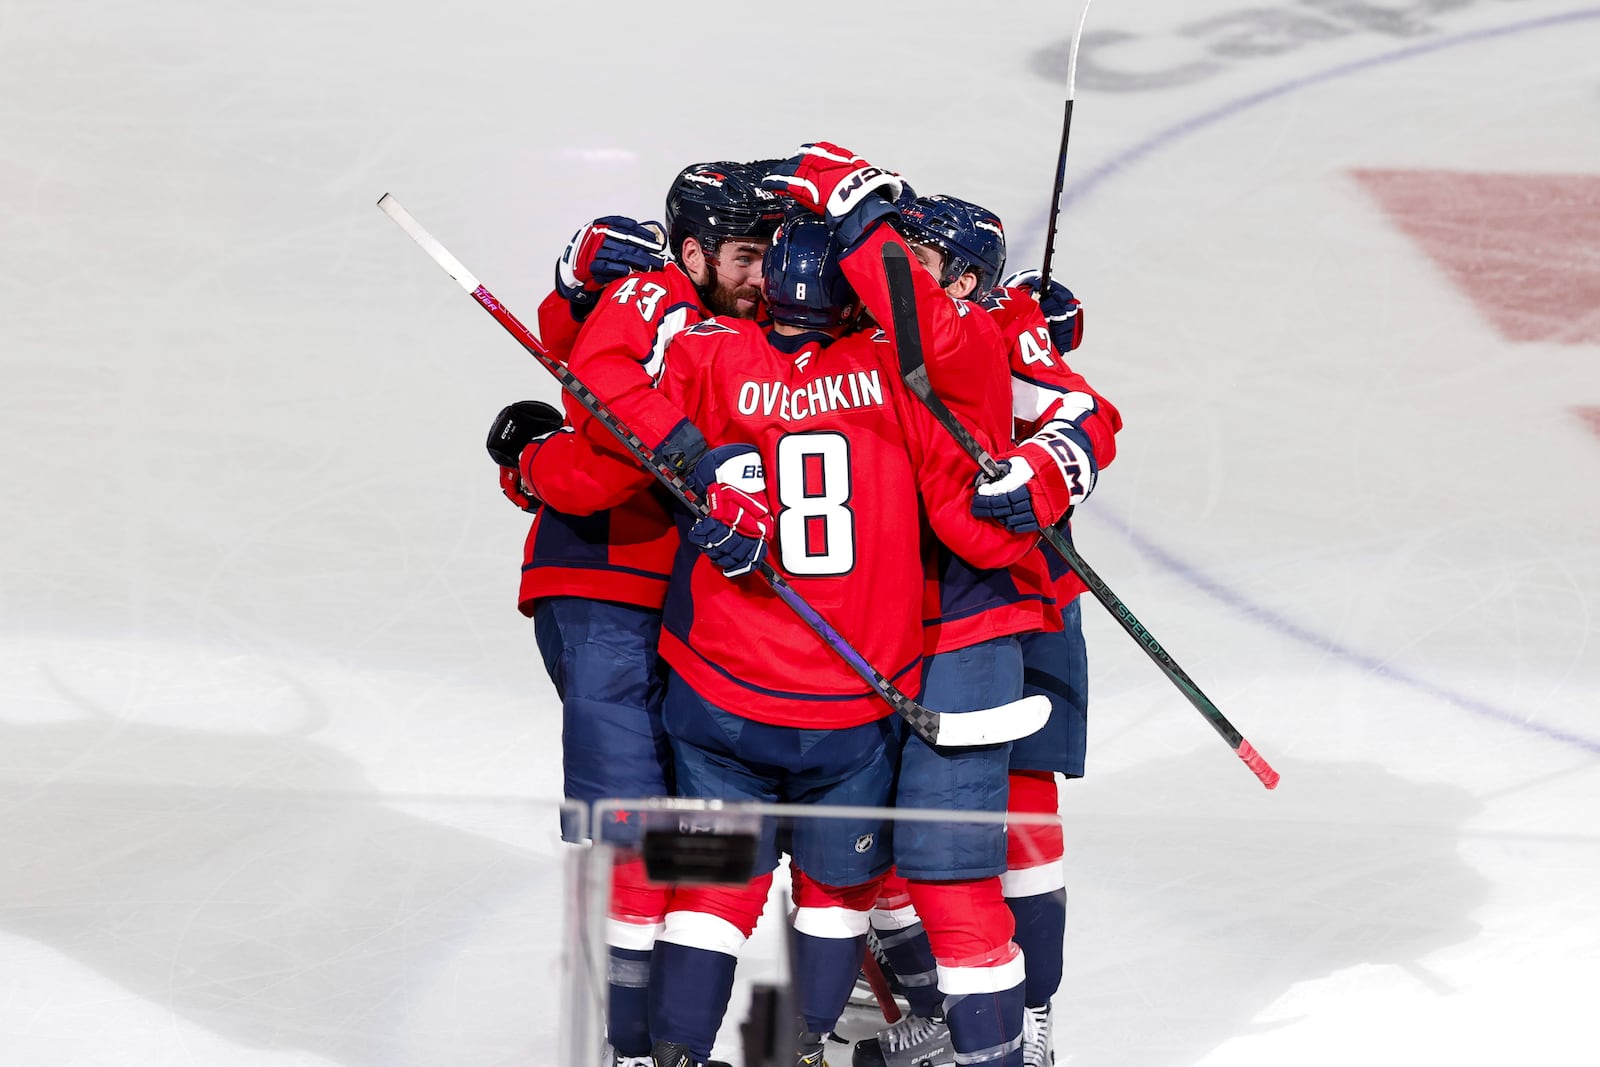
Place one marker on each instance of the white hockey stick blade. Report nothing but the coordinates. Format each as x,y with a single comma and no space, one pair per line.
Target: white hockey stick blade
452,266
992,726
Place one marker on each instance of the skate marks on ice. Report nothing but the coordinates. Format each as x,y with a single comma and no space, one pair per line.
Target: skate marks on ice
257,886
1524,249
1196,905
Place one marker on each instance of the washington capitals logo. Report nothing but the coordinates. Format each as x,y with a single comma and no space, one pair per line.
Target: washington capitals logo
709,326
997,298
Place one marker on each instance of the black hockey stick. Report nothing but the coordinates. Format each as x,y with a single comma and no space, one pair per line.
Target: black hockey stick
1061,157
913,368
1006,722
1055,198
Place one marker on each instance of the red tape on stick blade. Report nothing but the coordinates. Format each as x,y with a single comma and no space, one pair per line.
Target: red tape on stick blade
1257,763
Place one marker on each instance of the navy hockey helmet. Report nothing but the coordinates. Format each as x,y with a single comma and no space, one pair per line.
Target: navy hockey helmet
801,278
711,201
970,237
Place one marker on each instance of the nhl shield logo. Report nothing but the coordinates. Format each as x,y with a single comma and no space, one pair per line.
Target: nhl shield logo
863,843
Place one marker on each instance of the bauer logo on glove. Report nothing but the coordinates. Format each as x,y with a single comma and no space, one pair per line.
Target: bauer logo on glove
737,523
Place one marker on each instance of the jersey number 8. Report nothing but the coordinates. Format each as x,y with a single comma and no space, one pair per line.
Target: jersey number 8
816,528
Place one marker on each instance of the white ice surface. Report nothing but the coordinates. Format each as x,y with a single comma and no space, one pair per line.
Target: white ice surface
277,756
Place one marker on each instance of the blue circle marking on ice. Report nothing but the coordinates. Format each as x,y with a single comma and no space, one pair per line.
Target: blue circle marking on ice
1163,139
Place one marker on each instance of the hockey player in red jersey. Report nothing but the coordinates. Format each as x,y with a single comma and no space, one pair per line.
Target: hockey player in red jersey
952,876
851,465
1068,432
595,573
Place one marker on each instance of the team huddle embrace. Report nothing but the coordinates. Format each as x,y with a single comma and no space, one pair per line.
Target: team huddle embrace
751,347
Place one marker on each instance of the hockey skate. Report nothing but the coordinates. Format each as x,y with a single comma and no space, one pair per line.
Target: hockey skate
808,1050
1036,1048
672,1054
914,1041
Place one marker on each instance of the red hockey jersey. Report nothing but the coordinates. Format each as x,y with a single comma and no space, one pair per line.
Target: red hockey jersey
1047,391
965,353
588,540
848,452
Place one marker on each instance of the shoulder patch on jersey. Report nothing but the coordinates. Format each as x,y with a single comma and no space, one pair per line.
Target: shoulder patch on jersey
709,326
997,299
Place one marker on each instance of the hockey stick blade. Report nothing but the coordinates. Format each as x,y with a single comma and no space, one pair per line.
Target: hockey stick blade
991,726
1061,156
913,368
983,727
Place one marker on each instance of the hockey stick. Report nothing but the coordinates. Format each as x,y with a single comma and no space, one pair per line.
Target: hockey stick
880,987
914,369
1061,158
988,726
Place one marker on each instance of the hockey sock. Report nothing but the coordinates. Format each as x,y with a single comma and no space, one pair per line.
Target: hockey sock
981,970
1035,882
634,920
1041,933
691,970
628,1009
704,980
904,944
985,1023
830,926
827,969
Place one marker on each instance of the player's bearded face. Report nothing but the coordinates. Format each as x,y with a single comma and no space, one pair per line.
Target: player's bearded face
734,285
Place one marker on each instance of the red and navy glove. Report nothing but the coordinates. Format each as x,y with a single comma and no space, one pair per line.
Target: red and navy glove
514,429
603,251
1062,312
515,491
846,190
1041,481
737,524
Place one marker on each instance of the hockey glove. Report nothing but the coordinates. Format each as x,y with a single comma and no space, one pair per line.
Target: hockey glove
1062,311
516,492
846,190
603,251
737,524
1042,480
682,450
518,426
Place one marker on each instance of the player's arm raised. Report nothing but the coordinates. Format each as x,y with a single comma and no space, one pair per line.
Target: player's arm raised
856,197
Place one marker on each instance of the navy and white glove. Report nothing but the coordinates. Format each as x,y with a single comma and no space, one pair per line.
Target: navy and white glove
1041,480
1006,499
1062,312
907,196
603,251
847,191
737,524
513,430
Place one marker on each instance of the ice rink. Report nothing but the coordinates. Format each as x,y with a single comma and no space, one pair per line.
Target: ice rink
278,759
